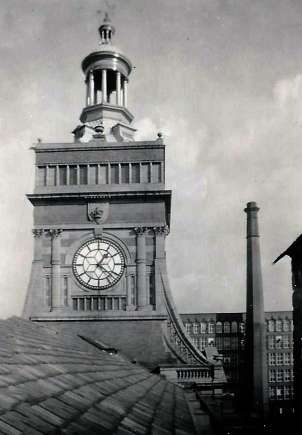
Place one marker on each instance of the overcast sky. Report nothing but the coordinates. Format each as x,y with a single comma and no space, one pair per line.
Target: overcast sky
221,79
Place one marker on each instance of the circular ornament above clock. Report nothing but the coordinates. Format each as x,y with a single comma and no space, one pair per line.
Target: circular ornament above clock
98,264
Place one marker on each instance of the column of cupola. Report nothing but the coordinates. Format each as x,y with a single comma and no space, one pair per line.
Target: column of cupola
118,88
91,88
104,86
121,89
125,92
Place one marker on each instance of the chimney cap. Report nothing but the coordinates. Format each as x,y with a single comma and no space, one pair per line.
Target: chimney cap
251,206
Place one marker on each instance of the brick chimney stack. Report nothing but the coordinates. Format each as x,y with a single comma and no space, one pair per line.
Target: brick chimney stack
255,364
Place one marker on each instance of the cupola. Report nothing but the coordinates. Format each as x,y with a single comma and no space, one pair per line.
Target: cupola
106,77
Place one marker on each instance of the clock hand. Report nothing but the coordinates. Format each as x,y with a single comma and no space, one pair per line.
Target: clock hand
104,269
111,273
101,260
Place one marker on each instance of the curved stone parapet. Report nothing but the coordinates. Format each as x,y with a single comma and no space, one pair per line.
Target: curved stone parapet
176,336
183,350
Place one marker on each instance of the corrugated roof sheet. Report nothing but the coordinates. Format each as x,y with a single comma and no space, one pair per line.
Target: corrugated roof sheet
54,384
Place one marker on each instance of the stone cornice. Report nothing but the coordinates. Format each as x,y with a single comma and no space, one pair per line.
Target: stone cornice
116,58
96,145
91,227
102,195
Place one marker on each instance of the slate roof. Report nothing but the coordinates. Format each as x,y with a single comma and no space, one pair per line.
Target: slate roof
52,384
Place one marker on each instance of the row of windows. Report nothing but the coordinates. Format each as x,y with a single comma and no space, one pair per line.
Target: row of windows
201,343
211,327
282,392
279,359
107,173
279,341
280,375
222,343
285,325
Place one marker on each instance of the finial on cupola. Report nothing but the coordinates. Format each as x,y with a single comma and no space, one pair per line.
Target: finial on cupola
106,30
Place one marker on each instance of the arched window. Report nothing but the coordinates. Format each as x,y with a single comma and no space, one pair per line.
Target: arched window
218,327
226,327
271,325
278,325
211,327
234,327
286,325
203,342
203,327
195,328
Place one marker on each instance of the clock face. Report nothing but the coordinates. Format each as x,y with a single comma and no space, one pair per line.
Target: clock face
98,264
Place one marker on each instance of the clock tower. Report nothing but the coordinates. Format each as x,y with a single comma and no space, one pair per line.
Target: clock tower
101,216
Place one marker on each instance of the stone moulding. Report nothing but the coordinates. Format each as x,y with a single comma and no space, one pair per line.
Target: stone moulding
96,195
95,146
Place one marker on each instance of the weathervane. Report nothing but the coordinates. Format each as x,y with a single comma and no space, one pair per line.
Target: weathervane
106,10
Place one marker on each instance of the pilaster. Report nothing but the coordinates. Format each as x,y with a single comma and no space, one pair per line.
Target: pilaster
130,306
160,234
34,296
56,296
141,280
